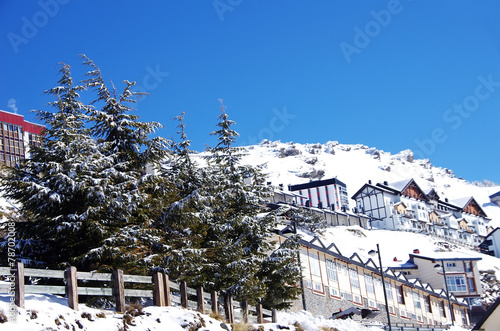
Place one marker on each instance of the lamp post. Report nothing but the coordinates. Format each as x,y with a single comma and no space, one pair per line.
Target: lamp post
372,253
437,267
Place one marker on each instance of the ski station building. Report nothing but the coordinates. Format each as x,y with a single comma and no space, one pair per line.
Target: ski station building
333,282
16,137
404,206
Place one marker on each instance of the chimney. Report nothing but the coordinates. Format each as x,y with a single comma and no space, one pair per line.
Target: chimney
416,251
385,183
369,181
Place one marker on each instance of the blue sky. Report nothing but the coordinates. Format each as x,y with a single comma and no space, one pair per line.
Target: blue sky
388,74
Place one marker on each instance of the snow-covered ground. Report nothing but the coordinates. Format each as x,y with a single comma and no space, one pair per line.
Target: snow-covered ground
50,312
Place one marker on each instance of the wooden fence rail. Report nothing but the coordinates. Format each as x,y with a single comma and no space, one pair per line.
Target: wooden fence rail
164,292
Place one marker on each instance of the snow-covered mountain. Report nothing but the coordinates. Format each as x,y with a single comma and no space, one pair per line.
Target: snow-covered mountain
291,163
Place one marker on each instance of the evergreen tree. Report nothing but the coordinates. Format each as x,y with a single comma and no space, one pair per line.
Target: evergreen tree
240,233
183,222
55,184
92,203
280,272
131,195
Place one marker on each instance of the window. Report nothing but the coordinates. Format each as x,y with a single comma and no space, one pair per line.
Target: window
456,283
353,274
471,284
314,263
391,310
308,284
402,313
468,266
416,300
400,293
388,289
441,309
317,287
371,303
427,302
369,284
331,269
334,292
450,264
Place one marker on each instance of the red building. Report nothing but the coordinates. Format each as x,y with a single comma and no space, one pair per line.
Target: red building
17,136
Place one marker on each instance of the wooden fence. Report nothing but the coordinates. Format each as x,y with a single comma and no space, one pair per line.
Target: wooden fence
164,292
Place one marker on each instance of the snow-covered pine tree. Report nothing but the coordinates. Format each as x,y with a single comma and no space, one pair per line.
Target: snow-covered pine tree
240,234
131,195
281,273
182,220
54,185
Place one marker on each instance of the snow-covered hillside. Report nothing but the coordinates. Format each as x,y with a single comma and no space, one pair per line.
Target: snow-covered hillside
289,163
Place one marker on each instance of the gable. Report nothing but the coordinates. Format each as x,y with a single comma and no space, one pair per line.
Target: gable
473,208
413,191
432,195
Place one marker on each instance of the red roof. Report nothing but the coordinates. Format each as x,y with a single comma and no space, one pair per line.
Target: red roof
16,119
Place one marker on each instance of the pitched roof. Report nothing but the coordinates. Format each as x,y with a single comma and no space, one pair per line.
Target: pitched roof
490,311
466,201
495,195
446,256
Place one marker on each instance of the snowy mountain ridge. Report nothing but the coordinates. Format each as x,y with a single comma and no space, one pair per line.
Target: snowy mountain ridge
355,164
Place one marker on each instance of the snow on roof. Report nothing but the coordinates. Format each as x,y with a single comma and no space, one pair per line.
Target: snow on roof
461,202
448,256
399,185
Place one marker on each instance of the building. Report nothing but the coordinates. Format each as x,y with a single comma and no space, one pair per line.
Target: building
404,206
495,198
328,193
333,282
491,243
491,320
462,273
17,135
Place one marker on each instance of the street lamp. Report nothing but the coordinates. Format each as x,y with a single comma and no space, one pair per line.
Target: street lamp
372,253
437,267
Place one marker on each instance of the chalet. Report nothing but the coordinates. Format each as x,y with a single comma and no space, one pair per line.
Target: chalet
333,282
462,273
403,205
476,218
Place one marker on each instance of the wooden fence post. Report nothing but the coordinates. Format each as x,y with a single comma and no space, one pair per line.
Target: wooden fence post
19,283
215,303
72,287
158,292
260,318
228,308
166,289
201,299
184,295
244,310
274,316
119,290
